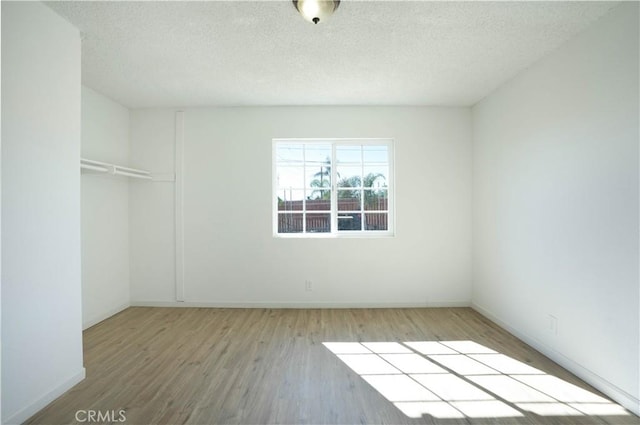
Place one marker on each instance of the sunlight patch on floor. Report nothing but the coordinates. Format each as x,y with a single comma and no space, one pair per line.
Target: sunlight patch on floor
368,364
505,364
387,348
400,388
437,409
600,409
511,390
430,347
463,365
458,379
486,409
412,363
549,409
449,387
559,389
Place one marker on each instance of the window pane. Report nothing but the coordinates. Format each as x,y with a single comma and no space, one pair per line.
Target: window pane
349,176
376,153
376,200
375,176
290,177
289,223
317,154
349,200
318,176
290,200
377,221
289,154
318,223
348,221
349,154
318,200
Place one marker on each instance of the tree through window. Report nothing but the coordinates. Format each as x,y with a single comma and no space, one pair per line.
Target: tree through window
338,187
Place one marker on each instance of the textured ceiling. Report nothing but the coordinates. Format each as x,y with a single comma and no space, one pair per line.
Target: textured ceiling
154,54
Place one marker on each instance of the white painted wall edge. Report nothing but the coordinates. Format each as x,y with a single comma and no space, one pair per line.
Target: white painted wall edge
104,316
301,304
42,401
620,396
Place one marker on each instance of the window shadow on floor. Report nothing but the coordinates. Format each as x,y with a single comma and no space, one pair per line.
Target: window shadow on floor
464,379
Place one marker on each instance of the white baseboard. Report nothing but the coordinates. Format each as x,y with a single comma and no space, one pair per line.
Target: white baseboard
619,395
104,316
301,304
42,401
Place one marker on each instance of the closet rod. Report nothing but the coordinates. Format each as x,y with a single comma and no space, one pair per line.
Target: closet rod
100,168
113,169
120,172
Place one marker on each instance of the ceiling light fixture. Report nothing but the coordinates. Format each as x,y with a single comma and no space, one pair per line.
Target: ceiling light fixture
316,10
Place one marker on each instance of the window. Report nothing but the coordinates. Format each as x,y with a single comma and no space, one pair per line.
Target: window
332,187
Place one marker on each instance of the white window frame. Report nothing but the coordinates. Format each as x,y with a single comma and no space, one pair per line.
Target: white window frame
335,233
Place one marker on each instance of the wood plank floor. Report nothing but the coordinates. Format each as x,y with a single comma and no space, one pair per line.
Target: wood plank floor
263,366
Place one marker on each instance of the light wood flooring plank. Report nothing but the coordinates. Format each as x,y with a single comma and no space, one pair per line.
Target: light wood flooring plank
264,366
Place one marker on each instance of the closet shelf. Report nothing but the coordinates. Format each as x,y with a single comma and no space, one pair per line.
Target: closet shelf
91,166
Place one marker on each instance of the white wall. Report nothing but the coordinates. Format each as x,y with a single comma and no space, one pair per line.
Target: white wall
231,257
105,210
556,205
151,208
41,303
0,249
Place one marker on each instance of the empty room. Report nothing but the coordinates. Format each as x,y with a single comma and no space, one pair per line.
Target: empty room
320,212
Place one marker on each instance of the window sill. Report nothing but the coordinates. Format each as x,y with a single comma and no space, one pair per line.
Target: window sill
341,235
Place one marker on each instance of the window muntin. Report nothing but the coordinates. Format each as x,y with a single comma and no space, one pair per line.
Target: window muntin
333,187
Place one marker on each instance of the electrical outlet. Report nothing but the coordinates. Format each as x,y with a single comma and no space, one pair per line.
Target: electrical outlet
308,286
